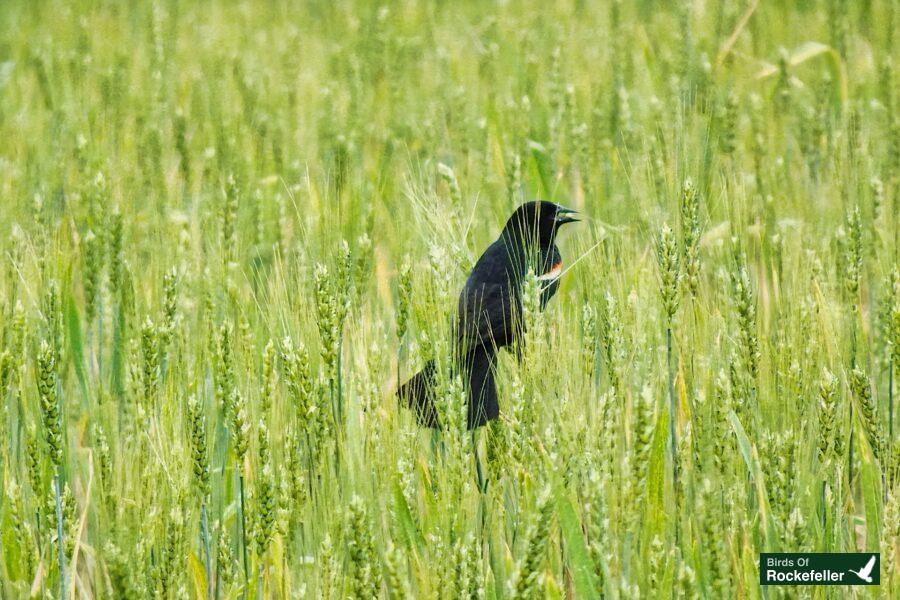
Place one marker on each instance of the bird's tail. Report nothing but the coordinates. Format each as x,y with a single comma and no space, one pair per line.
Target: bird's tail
483,405
418,395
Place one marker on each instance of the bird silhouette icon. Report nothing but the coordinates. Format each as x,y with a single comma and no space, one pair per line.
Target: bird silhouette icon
866,572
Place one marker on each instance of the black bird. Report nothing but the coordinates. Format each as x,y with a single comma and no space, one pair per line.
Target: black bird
489,313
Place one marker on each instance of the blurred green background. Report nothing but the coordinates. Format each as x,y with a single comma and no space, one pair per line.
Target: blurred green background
228,228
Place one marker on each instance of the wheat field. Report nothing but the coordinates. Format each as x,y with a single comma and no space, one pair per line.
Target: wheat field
230,229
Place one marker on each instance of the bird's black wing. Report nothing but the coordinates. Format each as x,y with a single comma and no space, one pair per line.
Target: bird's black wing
552,262
489,313
489,305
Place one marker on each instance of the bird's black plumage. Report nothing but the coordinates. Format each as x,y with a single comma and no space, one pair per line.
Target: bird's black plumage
489,312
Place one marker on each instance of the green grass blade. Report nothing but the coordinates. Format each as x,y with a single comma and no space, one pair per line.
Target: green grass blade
577,557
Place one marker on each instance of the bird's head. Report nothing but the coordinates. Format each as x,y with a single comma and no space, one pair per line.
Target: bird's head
538,220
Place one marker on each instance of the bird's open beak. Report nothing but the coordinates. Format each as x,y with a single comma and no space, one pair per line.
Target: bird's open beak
563,215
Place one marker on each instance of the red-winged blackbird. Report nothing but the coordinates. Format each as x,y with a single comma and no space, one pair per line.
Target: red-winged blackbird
489,314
